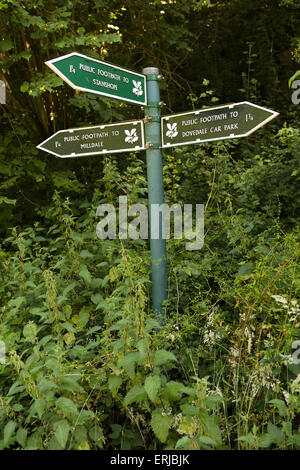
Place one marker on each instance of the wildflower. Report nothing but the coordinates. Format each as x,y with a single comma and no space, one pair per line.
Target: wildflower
280,299
291,305
286,396
171,337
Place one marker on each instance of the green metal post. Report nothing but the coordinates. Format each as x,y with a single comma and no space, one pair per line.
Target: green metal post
155,192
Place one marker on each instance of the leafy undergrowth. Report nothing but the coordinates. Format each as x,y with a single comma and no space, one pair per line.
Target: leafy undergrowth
87,366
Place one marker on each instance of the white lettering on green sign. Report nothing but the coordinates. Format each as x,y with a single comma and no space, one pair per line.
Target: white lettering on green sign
93,75
222,122
110,138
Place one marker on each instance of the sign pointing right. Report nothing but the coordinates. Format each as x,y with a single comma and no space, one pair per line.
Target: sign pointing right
221,122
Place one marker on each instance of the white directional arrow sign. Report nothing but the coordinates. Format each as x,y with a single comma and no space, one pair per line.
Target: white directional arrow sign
218,123
126,136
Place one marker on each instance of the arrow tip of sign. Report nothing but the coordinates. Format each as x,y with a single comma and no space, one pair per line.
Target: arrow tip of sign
48,63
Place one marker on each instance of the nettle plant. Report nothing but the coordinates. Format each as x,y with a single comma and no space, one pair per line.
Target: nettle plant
85,365
88,367
142,374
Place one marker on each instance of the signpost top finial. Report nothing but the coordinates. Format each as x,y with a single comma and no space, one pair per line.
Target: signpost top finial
150,71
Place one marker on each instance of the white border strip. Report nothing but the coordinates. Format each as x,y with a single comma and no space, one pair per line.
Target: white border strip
50,63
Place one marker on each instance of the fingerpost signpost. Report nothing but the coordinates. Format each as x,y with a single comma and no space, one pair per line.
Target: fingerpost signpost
151,134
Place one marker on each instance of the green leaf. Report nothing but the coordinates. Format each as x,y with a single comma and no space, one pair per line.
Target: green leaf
152,385
8,431
83,317
244,270
4,199
275,432
70,384
85,274
53,444
207,440
96,299
174,390
96,434
128,363
69,327
212,401
183,443
66,406
29,331
86,254
46,385
114,383
84,416
80,435
135,395
17,407
62,429
116,431
24,87
16,388
35,442
25,55
281,406
151,324
142,347
39,406
160,424
189,410
249,438
21,436
6,45
188,425
265,440
212,427
17,302
294,78
163,357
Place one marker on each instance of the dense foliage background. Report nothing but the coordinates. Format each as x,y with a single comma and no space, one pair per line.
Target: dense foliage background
86,366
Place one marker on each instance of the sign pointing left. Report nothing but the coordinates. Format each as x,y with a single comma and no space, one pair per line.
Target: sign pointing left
87,74
127,136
